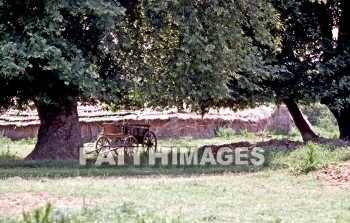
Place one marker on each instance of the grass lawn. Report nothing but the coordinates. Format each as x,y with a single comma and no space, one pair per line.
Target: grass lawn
268,196
167,194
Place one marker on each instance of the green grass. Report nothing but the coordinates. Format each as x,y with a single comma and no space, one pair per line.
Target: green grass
269,196
60,172
305,159
308,158
122,213
269,193
23,147
7,141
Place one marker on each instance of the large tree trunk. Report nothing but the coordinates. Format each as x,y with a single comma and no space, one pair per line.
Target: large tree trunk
59,135
299,120
343,119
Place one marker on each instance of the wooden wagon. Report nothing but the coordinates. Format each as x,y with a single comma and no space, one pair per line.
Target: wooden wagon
125,139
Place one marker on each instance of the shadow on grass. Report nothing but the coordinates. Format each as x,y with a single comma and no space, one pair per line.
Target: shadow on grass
13,166
61,169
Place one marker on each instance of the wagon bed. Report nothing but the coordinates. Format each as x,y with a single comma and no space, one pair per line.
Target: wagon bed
125,138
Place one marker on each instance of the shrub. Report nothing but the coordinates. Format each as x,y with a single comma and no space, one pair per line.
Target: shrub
39,215
246,134
224,132
309,158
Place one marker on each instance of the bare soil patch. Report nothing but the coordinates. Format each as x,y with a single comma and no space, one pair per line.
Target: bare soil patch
336,175
14,204
279,144
292,145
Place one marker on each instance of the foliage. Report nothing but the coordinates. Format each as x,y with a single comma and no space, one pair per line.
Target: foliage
245,133
322,120
316,113
199,54
305,159
224,132
170,53
55,52
304,34
39,215
334,67
317,63
309,158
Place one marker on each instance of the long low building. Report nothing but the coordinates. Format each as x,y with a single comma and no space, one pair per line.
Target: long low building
25,124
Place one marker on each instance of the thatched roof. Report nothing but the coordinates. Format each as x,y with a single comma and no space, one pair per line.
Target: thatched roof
89,114
19,118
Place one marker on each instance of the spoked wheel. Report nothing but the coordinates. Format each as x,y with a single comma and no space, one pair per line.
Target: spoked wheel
150,142
130,146
102,146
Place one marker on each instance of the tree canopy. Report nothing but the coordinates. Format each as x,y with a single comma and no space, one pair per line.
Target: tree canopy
53,52
196,54
201,54
317,63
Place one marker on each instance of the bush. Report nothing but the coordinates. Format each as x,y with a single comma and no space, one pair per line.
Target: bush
224,132
309,158
246,134
39,215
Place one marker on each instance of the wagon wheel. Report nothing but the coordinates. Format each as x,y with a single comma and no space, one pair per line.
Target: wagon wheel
130,146
149,142
102,146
